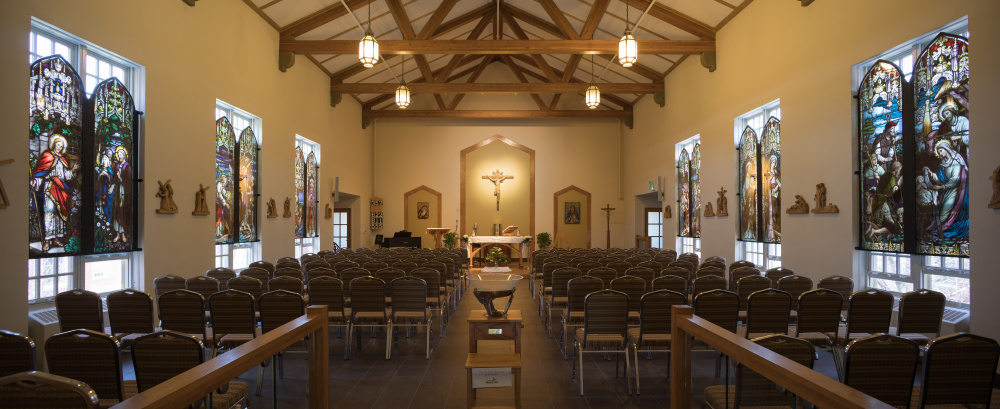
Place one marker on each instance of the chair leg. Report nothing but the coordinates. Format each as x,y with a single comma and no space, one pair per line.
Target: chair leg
635,349
429,338
260,377
388,340
718,365
581,372
562,336
347,342
628,370
281,366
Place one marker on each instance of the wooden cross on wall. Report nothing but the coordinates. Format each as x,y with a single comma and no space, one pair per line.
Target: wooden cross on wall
497,178
3,193
609,209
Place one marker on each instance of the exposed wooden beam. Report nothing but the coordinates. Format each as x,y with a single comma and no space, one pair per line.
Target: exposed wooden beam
617,101
594,18
464,19
353,70
559,18
520,34
475,76
520,77
406,28
675,18
638,69
320,18
476,32
496,47
567,114
497,88
436,19
385,97
260,12
533,21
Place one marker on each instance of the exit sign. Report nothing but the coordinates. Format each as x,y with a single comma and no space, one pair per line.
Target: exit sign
652,187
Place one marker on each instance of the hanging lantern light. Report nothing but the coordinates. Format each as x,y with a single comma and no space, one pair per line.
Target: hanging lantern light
402,92
368,47
628,50
593,96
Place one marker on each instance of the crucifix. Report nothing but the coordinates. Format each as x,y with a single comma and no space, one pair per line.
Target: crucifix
497,178
609,209
3,193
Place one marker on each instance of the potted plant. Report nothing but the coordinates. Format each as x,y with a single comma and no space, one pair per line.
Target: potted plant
465,240
544,240
497,258
450,240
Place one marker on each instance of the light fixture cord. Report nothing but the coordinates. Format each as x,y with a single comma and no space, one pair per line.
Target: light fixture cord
592,68
370,15
626,13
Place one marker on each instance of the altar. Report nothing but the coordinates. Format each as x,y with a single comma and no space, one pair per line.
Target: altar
515,243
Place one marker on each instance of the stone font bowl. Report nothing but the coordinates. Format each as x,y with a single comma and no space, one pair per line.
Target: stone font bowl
494,282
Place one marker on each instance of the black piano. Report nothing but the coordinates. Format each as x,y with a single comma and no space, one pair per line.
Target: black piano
401,239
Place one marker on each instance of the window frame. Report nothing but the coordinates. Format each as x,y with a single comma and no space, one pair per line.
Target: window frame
225,253
661,223
314,242
347,238
688,145
770,253
689,245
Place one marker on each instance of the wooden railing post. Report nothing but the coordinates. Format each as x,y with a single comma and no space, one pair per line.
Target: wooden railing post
319,360
680,358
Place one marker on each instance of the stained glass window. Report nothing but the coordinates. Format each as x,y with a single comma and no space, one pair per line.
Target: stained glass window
880,99
248,186
760,180
684,194
225,149
748,186
770,171
300,193
237,168
311,195
114,167
696,191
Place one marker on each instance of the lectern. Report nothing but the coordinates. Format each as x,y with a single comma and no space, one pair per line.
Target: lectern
438,233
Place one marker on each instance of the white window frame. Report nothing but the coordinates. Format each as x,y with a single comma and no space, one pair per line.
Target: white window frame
923,270
76,51
240,119
686,244
310,244
764,255
689,245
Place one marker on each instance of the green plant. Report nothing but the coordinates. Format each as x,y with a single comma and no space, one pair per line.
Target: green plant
496,255
526,241
450,239
544,240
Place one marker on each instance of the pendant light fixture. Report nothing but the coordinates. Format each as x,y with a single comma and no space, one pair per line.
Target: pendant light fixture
402,92
368,48
593,96
628,50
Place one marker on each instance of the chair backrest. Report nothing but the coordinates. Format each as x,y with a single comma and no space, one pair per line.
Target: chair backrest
406,265
959,369
285,283
344,265
159,356
840,284
683,264
388,274
538,259
182,311
350,274
367,295
130,312
749,285
652,265
433,280
288,264
588,265
258,273
232,313
883,367
719,307
672,283
167,283
794,285
249,285
279,307
204,285
328,291
322,272
645,273
778,273
741,263
740,273
707,283
715,259
632,286
709,262
605,274
40,390
767,312
312,265
819,311
605,313
17,353
551,265
222,274
695,259
710,271
88,356
375,266
577,259
334,259
363,260
921,312
442,268
754,389
654,311
264,265
577,290
620,267
560,278
288,272
869,311
79,309
678,271
409,294
635,260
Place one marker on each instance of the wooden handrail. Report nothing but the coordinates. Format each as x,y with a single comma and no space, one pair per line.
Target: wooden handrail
812,386
198,382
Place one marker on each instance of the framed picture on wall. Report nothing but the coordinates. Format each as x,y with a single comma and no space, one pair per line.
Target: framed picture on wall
423,210
572,213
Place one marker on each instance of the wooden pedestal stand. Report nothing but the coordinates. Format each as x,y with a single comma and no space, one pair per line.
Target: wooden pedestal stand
438,233
482,327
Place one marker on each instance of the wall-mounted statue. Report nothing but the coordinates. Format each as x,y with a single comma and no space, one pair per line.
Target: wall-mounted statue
667,213
288,208
722,204
820,198
200,204
329,212
995,200
4,202
708,210
166,195
800,206
272,209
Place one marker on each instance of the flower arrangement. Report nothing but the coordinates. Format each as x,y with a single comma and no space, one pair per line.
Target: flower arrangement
544,240
526,241
465,240
450,239
497,257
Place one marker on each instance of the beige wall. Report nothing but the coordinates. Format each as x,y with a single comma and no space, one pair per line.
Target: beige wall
515,194
577,235
192,56
803,55
419,226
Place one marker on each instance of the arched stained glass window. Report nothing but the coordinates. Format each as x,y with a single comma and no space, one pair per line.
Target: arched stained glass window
248,186
300,193
114,167
749,186
696,191
55,158
225,149
880,99
311,195
684,194
941,142
770,171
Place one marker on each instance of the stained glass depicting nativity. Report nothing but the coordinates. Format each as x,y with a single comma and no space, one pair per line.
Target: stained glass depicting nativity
880,96
225,145
113,144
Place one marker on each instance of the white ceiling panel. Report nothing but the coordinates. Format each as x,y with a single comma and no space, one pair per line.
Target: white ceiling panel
657,63
290,11
705,11
655,25
462,7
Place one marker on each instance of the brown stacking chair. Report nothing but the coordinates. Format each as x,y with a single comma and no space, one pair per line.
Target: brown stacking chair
883,367
740,273
130,314
409,309
588,265
767,314
433,298
741,263
652,265
277,308
79,309
572,315
654,325
868,312
958,369
264,265
406,265
344,265
206,286
635,260
257,273
322,272
350,274
545,288
163,355
233,320
183,311
682,264
721,308
288,265
796,286
920,312
756,390
840,284
672,283
90,357
634,287
620,267
167,283
605,319
363,260
447,281
222,274
707,283
249,285
288,272
558,297
376,266
333,260
778,273
42,390
818,320
646,274
368,308
715,259
312,265
710,271
329,291
710,262
388,274
17,353
535,273
605,274
750,285
678,271
285,283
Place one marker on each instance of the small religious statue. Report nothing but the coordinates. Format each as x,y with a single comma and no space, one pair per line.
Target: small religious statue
329,212
3,193
497,178
708,210
722,204
666,213
166,195
272,209
288,208
200,205
820,198
800,206
994,201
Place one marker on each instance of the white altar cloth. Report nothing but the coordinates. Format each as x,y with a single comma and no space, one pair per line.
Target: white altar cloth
510,241
496,239
497,269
